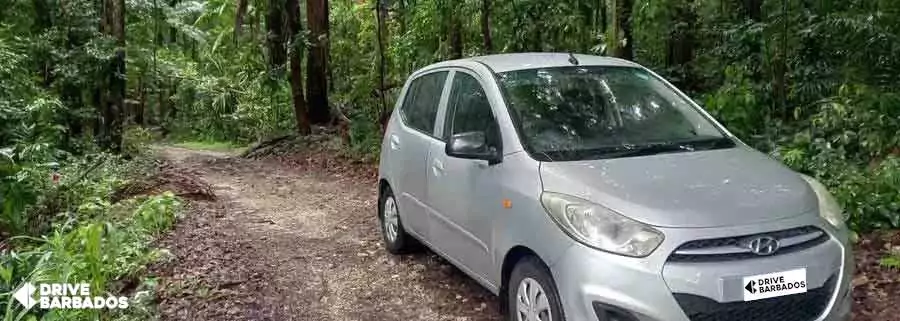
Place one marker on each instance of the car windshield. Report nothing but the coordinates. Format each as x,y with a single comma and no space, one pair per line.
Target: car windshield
592,112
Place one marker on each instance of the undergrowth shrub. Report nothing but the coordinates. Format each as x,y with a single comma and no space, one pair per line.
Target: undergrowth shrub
136,141
59,224
851,144
108,246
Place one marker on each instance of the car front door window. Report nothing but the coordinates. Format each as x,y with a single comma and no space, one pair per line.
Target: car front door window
470,111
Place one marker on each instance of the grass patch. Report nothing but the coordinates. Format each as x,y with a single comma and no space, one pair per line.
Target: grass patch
209,145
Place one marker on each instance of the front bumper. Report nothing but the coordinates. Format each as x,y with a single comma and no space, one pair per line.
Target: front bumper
645,287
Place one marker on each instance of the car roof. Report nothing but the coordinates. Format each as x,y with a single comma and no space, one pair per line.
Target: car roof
518,61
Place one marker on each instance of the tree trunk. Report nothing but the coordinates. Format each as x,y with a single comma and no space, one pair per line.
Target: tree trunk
254,24
44,21
317,61
622,41
98,98
586,30
142,101
779,65
380,16
173,108
173,32
71,96
456,42
114,99
752,9
239,18
162,102
486,26
601,6
537,39
680,45
275,34
517,26
401,14
296,69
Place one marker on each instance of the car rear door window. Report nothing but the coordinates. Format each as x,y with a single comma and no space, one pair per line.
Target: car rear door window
469,110
420,107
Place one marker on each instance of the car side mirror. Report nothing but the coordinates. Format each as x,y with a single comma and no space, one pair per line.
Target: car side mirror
472,145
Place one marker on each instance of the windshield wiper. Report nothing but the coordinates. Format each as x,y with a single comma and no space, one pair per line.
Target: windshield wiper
645,150
631,150
709,143
660,148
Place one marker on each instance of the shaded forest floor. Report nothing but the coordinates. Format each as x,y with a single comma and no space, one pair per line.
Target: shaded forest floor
296,238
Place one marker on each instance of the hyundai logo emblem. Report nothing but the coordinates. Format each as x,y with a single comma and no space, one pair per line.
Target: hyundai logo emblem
763,245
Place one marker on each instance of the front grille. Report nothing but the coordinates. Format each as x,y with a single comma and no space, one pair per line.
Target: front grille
730,248
798,307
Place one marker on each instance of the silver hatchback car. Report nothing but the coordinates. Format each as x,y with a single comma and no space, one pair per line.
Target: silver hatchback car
579,187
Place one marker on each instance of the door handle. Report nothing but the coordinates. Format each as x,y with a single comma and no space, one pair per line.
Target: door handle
437,167
395,142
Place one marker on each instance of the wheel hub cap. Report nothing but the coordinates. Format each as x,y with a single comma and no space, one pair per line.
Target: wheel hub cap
531,302
391,219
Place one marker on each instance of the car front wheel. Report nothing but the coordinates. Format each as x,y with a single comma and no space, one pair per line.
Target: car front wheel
532,294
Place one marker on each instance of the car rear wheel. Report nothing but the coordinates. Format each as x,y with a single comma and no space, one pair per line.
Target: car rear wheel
396,241
532,294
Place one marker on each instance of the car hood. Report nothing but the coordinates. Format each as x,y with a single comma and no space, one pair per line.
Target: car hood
709,188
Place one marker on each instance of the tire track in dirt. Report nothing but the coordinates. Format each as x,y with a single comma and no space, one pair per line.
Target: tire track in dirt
308,247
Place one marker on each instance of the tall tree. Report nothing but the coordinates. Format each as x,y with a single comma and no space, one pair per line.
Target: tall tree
296,67
112,100
622,40
173,32
44,21
275,34
486,26
680,44
751,9
601,15
239,14
779,64
381,34
317,61
452,27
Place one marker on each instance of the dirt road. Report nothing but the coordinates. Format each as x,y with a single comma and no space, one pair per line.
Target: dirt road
280,243
291,241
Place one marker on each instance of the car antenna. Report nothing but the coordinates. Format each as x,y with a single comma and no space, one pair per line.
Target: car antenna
572,59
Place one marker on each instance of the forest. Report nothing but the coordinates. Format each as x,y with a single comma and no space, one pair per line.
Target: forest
87,86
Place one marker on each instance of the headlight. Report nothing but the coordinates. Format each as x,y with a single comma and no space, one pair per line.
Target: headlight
600,227
828,206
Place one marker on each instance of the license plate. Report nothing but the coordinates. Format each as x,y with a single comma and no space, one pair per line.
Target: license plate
770,285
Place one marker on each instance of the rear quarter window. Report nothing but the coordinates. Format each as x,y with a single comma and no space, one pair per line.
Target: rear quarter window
420,106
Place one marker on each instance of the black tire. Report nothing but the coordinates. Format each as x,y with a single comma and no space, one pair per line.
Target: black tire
531,267
403,242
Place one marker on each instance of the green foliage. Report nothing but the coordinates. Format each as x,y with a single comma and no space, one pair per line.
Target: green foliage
736,103
105,245
136,141
891,261
792,78
851,145
814,83
27,113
